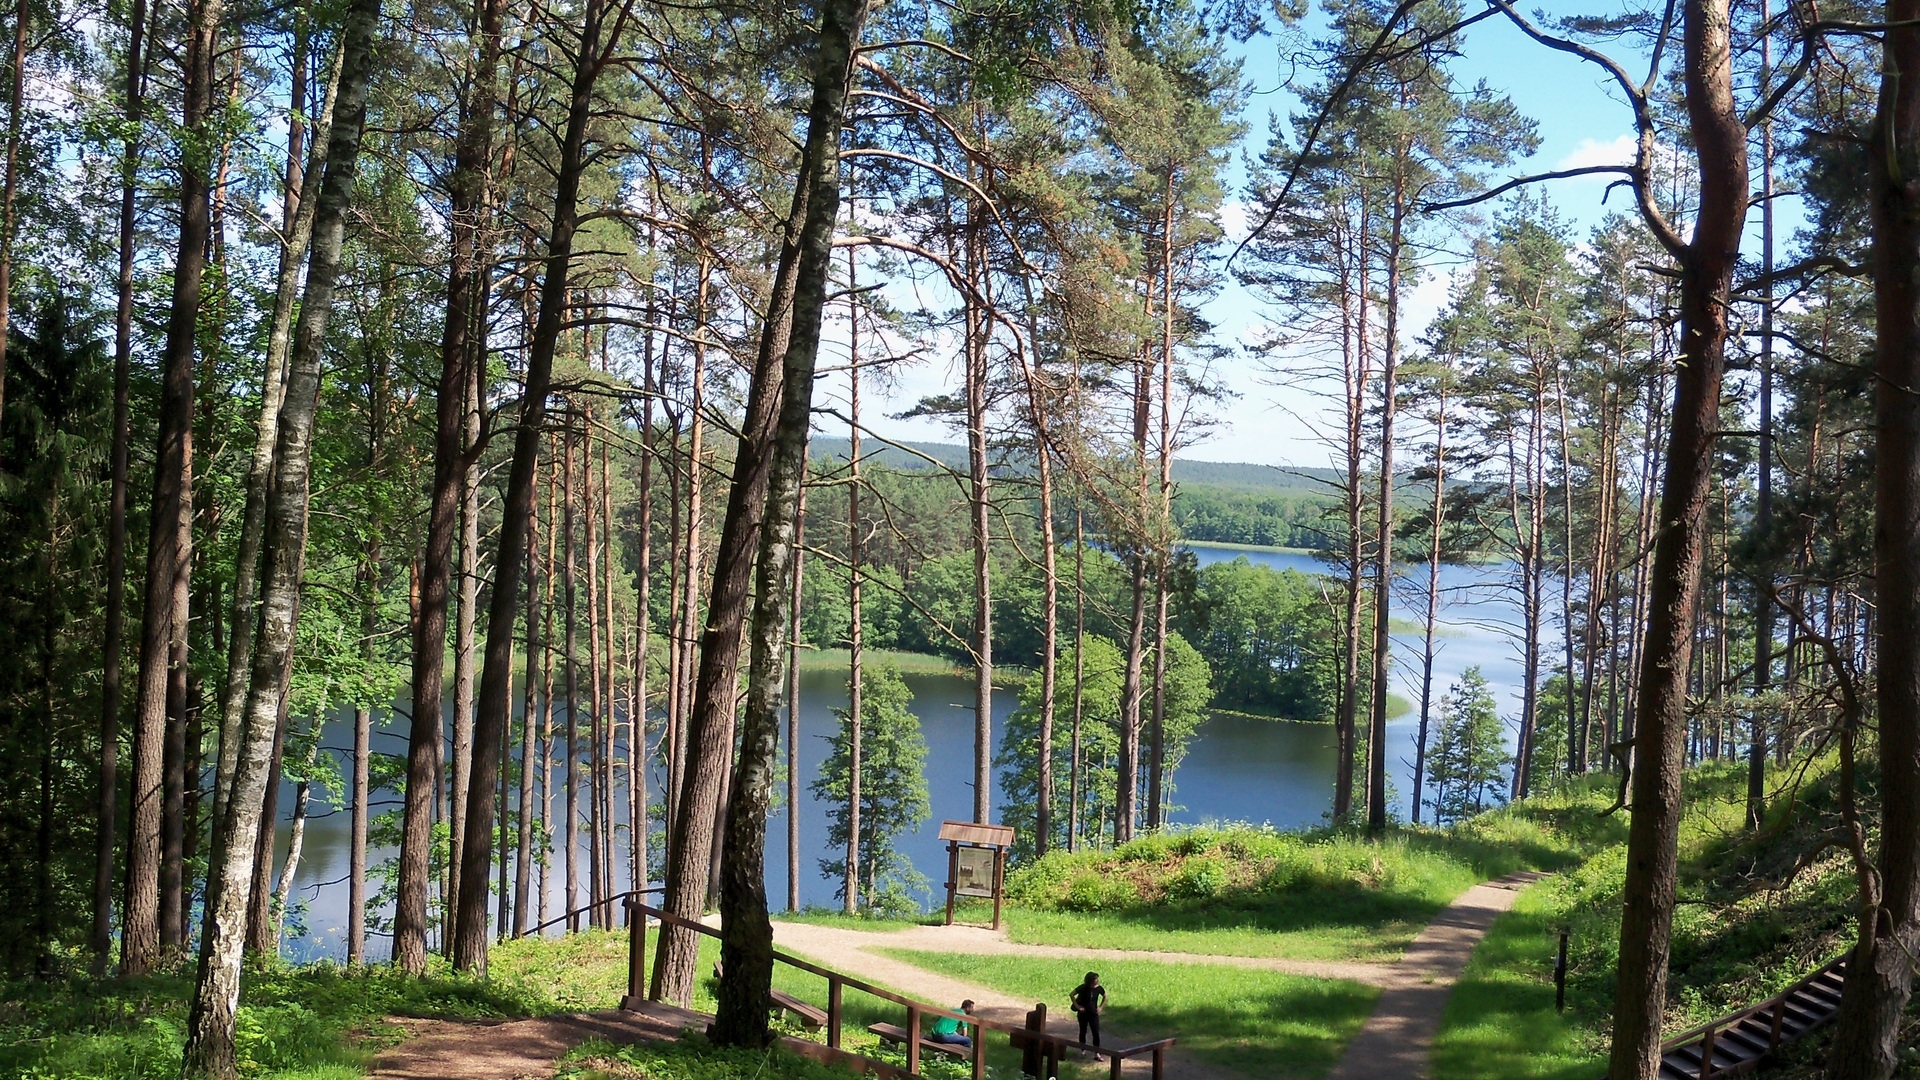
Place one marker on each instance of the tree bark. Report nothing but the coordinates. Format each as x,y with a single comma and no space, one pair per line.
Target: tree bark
708,734
523,856
978,331
1660,723
1880,968
570,831
465,617
107,818
10,183
1383,552
856,623
169,561
297,223
467,188
210,1039
496,681
747,949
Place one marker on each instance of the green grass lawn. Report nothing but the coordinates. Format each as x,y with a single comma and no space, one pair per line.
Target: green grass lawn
868,923
1257,1023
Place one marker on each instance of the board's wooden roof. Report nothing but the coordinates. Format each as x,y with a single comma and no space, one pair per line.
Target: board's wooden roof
969,833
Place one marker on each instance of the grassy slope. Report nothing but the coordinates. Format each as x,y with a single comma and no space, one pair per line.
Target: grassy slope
1739,936
1257,1023
1323,895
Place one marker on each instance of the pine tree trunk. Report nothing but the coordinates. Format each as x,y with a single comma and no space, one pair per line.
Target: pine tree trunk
496,681
1660,725
107,818
210,1039
467,186
1880,968
709,729
978,331
1163,545
10,181
747,949
523,854
168,558
570,835
596,717
856,623
1383,552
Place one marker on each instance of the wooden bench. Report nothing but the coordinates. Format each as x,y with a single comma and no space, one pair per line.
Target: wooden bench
894,1033
808,1015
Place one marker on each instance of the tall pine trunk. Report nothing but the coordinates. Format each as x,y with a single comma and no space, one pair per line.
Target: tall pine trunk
597,41
168,556
107,817
747,948
465,291
1880,968
1660,723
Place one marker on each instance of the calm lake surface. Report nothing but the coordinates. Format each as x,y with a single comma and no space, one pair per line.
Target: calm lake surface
1236,770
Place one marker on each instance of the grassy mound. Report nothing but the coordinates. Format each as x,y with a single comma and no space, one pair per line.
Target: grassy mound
1320,895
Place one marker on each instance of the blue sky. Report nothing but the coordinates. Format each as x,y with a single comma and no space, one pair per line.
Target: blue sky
1582,120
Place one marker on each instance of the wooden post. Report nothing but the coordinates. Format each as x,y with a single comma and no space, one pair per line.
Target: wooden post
953,875
913,1039
1706,1053
1116,1066
999,877
833,1012
979,1052
1779,1017
1031,1046
1159,1061
636,951
1560,976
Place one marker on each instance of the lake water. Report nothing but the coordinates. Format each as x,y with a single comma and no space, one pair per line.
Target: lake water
1237,769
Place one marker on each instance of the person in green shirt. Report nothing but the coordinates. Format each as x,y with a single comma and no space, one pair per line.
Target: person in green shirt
948,1030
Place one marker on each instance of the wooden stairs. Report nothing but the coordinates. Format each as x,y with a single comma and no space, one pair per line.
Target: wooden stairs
1741,1041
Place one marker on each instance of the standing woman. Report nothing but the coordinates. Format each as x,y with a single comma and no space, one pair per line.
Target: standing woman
1087,999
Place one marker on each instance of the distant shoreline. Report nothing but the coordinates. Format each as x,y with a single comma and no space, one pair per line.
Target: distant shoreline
1269,549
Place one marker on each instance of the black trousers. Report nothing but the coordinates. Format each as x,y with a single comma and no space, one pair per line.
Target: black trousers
1089,1021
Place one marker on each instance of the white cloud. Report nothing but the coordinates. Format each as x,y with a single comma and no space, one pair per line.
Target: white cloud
1616,151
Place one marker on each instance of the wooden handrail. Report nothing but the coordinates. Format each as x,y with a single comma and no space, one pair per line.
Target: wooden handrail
604,902
837,981
1724,1022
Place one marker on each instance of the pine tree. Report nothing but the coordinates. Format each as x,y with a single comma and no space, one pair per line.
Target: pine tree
893,795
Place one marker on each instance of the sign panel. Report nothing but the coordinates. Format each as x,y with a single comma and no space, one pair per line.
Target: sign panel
975,874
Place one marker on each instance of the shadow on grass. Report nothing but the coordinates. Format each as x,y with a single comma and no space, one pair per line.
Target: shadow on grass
1256,1023
308,1022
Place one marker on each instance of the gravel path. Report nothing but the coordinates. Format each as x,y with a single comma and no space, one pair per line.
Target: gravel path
1397,1041
514,1049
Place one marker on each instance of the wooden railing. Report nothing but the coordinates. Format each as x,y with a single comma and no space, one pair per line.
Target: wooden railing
1053,1047
606,902
1744,1039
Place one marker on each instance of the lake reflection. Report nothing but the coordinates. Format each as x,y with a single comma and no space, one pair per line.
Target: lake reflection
1237,769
